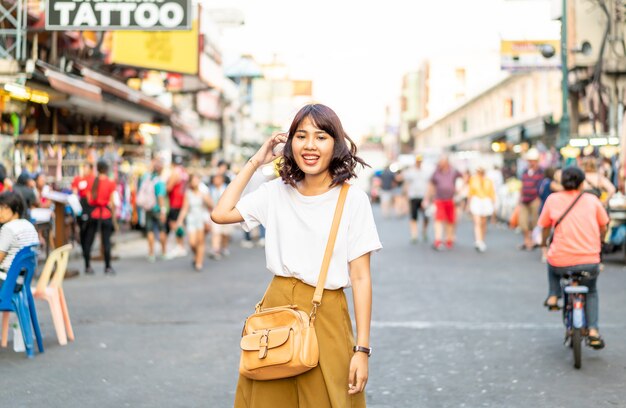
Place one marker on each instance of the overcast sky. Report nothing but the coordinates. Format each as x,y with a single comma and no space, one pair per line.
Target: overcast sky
356,51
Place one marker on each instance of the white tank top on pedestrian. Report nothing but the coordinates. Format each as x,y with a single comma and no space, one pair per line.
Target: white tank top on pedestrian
196,204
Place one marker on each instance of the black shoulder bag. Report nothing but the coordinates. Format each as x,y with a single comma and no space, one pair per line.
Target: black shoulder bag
551,236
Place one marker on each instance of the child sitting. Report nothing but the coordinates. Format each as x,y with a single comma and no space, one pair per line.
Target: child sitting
15,234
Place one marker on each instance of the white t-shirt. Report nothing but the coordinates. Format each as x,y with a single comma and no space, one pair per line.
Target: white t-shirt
297,229
417,182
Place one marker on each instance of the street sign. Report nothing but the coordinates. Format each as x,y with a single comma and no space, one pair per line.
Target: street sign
94,15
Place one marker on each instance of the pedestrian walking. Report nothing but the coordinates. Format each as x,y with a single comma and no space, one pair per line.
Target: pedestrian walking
175,186
497,178
461,195
195,203
482,200
400,203
387,186
80,187
595,182
297,210
549,185
101,201
576,243
416,185
220,233
151,198
529,199
442,188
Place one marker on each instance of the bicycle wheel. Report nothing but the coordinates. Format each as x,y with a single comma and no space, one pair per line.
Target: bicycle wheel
577,339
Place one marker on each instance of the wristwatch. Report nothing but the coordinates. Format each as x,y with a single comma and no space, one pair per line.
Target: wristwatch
366,350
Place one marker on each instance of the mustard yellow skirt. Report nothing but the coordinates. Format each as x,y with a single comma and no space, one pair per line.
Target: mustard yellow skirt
325,386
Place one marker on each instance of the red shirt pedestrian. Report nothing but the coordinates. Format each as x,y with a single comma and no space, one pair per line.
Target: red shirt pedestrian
105,189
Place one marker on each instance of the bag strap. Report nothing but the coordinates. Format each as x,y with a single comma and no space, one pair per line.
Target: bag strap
556,224
568,209
330,246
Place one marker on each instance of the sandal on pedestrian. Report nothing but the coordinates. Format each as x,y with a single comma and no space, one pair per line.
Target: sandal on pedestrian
552,307
595,342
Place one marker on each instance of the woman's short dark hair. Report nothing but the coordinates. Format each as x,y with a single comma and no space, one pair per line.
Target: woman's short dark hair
344,160
14,201
572,177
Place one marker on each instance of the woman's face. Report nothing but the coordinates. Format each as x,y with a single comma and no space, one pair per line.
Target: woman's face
5,214
312,148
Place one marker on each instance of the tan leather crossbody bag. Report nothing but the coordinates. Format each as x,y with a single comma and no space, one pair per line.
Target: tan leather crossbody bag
280,342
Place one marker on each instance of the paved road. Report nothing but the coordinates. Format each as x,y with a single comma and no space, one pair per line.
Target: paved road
451,329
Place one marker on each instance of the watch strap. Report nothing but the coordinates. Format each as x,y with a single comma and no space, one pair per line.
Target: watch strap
362,349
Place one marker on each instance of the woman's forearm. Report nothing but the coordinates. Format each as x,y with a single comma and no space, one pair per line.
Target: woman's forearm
362,291
362,294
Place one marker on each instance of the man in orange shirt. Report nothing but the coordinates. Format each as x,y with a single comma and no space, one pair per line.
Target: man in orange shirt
576,242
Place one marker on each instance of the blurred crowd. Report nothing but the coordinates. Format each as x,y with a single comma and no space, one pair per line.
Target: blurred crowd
484,194
164,202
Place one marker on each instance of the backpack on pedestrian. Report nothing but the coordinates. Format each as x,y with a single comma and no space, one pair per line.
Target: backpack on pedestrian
146,196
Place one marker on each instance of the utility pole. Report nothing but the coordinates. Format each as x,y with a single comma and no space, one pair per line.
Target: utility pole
564,125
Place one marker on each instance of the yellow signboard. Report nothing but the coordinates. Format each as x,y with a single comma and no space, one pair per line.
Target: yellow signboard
171,51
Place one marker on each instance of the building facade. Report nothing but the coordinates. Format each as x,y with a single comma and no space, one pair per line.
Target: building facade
519,109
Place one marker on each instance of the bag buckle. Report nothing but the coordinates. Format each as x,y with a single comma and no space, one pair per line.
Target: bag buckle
263,343
313,313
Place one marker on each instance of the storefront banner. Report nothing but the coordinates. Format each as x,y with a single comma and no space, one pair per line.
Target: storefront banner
99,15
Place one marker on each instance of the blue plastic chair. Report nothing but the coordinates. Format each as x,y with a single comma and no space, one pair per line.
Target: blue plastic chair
22,302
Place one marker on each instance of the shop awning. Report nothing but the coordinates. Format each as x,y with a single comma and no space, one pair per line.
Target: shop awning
119,112
123,91
72,86
185,139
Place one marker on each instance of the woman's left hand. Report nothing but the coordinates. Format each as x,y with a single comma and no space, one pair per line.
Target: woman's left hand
358,373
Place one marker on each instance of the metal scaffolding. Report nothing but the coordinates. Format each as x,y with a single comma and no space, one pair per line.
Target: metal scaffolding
13,21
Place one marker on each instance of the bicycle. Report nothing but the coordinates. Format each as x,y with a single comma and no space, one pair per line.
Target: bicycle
574,318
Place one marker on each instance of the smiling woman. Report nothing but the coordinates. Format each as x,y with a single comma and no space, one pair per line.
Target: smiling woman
318,141
297,210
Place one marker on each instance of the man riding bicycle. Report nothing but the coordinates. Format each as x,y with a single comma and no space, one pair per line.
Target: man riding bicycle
576,243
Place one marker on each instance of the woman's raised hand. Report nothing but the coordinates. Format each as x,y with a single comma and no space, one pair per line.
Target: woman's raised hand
269,151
